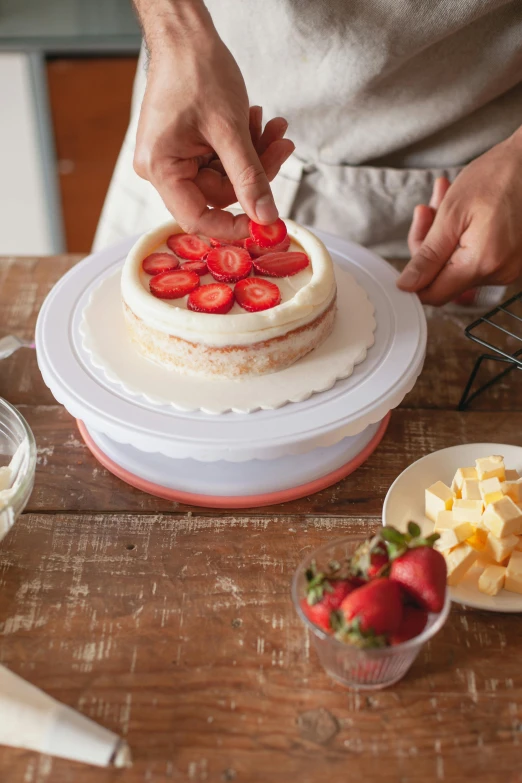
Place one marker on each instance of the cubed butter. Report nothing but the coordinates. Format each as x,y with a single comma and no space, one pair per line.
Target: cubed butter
471,489
468,511
503,517
513,581
458,561
445,521
447,540
490,490
439,497
500,548
513,490
478,539
512,475
460,476
491,580
489,467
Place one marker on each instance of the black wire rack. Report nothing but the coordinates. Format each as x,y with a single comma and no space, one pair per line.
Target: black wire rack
510,328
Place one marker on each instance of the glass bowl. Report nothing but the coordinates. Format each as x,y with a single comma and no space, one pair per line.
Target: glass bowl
369,669
18,448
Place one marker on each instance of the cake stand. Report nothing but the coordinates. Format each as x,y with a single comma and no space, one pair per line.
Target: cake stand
234,460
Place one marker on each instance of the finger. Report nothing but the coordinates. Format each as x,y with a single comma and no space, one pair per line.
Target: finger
246,173
457,276
421,223
274,130
256,124
440,188
440,242
218,189
174,180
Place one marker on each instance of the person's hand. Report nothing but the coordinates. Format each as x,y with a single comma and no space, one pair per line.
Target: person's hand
471,233
198,142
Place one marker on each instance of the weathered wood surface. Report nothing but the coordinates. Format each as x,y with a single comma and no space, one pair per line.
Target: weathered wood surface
187,644
174,626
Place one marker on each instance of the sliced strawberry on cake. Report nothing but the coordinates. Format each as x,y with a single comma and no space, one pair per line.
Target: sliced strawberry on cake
281,264
159,262
188,246
255,294
199,267
215,298
229,264
256,250
267,236
173,285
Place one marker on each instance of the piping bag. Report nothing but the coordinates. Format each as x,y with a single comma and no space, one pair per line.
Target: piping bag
31,719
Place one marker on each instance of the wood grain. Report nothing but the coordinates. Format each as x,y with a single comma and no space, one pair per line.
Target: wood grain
179,633
90,100
173,626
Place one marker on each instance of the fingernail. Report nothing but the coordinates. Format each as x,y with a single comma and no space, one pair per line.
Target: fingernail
409,278
266,210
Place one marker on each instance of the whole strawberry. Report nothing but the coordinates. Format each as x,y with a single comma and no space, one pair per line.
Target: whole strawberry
413,623
421,573
375,608
324,595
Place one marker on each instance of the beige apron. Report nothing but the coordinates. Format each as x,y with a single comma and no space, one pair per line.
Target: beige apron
382,96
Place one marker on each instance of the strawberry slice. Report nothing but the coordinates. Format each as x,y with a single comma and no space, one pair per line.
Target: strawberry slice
281,264
214,298
255,294
229,264
222,242
159,262
256,251
199,267
267,236
188,246
174,284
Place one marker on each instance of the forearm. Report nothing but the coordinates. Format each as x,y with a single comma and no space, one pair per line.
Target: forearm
165,21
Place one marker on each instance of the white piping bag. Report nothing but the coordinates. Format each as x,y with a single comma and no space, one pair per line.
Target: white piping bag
31,719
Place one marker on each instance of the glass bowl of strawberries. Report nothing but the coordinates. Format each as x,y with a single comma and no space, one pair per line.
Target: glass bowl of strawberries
370,605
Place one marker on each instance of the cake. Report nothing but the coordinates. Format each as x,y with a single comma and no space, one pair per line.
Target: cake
219,310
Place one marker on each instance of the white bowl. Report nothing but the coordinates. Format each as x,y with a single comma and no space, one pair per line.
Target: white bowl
405,502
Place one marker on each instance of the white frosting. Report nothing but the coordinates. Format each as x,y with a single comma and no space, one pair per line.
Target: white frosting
303,296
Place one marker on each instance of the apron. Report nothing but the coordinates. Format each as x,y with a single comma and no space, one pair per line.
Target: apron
382,97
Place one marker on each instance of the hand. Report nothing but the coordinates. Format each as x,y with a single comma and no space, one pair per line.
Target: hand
199,144
471,233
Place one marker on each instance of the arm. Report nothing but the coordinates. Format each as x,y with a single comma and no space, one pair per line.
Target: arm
471,234
198,142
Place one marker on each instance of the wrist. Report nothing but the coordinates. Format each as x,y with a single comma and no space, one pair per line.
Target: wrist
172,22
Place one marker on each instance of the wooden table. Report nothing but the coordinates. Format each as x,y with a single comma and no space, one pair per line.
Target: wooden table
173,626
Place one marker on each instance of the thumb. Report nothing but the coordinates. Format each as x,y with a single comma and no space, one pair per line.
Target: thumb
247,175
434,252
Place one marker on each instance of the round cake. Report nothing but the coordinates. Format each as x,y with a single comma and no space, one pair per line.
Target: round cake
282,307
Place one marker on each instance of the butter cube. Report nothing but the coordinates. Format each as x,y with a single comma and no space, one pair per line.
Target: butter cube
500,548
458,561
478,539
468,511
514,573
460,476
471,489
519,545
439,497
513,490
491,580
490,490
503,517
448,539
489,467
445,521
512,475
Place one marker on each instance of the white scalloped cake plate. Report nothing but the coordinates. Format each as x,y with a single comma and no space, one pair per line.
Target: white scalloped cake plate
405,501
110,348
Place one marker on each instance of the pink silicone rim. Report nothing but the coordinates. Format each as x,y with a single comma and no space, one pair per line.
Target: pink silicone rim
246,501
